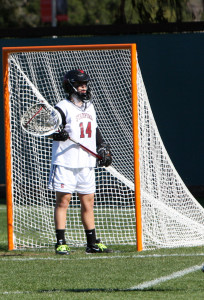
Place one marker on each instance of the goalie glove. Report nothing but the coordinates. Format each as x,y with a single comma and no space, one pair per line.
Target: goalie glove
60,136
105,153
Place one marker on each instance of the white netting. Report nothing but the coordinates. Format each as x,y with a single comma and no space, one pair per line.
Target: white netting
171,217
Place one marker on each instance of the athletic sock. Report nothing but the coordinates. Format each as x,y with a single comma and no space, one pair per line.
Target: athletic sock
91,236
60,236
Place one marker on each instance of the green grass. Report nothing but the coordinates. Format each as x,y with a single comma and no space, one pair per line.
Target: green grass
3,228
41,274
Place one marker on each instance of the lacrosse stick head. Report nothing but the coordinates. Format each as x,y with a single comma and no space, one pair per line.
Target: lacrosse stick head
41,119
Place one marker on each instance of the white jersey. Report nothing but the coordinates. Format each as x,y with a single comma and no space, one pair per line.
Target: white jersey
81,126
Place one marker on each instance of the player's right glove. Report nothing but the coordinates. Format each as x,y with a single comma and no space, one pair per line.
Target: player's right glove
60,136
105,152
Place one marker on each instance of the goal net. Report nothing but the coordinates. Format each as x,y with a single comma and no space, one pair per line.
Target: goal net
170,216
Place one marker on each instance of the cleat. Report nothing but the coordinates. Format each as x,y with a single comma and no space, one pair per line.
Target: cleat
97,248
62,249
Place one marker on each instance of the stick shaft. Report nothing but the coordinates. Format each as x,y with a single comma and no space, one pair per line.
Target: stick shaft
86,149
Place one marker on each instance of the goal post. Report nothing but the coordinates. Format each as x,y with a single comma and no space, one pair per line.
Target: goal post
136,147
8,157
140,199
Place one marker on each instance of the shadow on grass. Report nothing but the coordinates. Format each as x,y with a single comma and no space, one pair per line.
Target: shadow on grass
5,252
108,290
3,247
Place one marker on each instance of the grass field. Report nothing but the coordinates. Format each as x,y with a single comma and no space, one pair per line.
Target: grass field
124,274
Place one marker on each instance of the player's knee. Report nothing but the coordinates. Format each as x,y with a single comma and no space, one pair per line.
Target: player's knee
63,204
63,200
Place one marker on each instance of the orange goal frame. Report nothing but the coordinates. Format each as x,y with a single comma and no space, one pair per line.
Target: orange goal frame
8,155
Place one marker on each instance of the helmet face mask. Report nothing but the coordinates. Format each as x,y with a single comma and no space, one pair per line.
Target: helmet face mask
75,78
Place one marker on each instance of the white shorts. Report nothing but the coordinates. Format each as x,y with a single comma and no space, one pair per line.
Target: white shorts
80,180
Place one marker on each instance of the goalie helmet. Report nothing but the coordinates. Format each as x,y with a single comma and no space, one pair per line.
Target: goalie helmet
70,84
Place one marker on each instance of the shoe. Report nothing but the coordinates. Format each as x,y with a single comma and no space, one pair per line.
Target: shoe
62,249
97,248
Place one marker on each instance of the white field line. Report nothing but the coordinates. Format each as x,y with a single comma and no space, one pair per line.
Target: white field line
148,284
16,292
93,257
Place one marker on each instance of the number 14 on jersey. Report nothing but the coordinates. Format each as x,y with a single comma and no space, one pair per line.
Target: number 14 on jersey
85,130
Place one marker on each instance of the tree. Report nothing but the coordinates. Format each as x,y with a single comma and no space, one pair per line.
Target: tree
156,11
91,12
19,13
26,13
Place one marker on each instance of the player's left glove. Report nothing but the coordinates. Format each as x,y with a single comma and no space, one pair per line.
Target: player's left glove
105,152
61,136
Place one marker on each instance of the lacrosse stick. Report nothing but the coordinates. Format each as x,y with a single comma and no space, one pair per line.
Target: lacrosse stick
42,120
